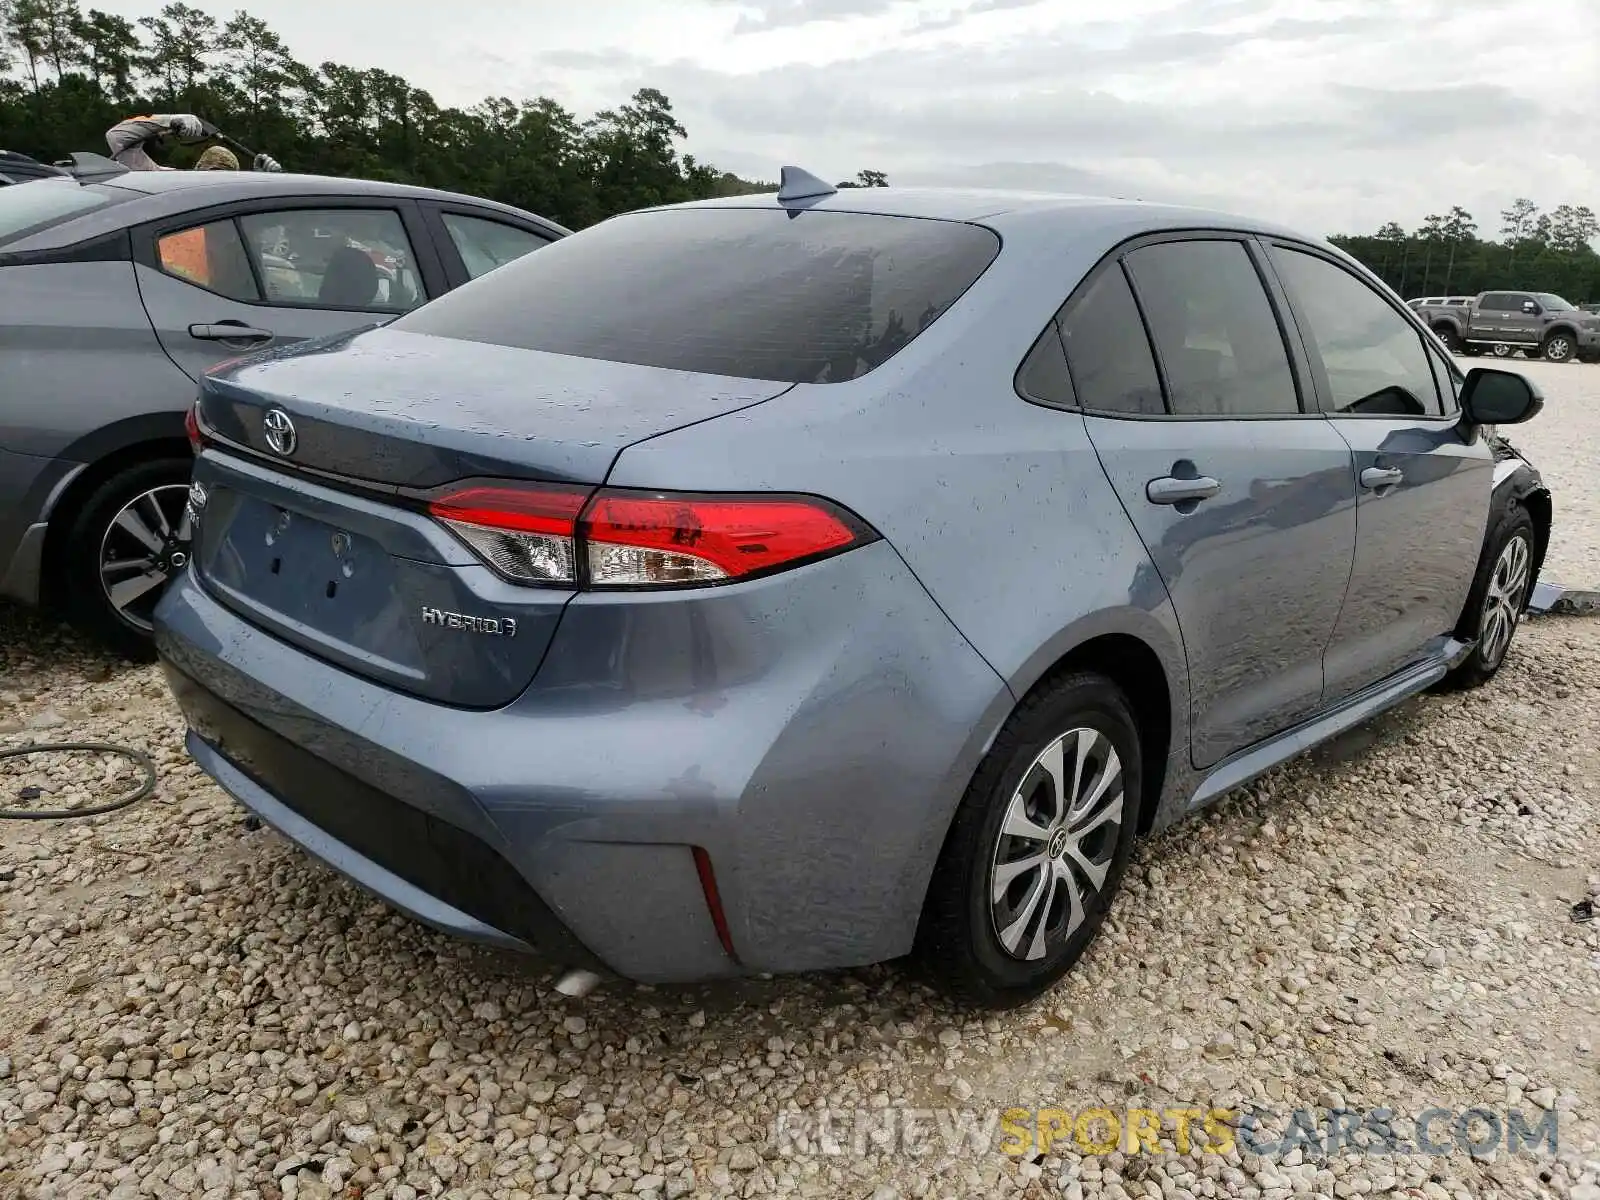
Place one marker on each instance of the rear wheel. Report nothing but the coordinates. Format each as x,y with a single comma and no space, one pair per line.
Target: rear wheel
1450,338
1498,597
1560,347
1038,847
129,538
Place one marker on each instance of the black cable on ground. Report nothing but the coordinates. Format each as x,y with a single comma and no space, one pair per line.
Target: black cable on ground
139,758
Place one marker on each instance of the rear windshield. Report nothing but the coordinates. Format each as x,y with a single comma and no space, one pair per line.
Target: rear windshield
30,207
821,297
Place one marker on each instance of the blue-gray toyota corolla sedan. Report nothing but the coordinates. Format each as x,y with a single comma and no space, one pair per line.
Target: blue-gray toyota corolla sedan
780,583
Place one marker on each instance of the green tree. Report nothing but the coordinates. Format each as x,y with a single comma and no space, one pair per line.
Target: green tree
1572,227
66,76
107,47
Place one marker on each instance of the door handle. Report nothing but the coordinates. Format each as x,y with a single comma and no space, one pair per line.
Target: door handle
229,331
1374,478
1171,490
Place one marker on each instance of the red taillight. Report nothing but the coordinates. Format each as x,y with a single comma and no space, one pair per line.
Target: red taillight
191,426
552,534
636,540
526,532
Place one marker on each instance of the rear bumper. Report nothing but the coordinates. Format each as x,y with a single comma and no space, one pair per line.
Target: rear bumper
356,830
812,732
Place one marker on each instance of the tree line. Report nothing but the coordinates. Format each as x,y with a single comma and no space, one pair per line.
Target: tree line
68,74
1536,252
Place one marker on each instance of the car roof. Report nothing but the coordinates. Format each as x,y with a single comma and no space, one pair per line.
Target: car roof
211,187
1014,211
152,195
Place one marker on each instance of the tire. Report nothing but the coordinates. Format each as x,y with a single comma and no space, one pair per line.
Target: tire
1450,338
154,493
960,942
1559,347
1501,350
1498,598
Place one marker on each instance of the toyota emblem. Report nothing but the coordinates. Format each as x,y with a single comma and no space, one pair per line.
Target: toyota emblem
280,431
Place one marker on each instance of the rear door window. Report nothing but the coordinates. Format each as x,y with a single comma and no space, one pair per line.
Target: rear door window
356,258
1219,341
818,297
210,256
1108,352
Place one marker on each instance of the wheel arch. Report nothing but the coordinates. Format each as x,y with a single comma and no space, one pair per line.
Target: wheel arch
107,451
1541,508
1135,666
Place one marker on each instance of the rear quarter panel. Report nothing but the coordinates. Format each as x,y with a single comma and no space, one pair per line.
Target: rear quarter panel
999,507
83,371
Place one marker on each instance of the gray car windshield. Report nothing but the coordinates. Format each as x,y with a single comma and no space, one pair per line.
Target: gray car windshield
30,207
760,293
1551,303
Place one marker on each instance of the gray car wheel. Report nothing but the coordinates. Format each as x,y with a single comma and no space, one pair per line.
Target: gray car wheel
1038,846
130,538
1559,347
1499,596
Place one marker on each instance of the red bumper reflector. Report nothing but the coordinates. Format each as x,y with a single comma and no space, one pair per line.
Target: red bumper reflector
708,885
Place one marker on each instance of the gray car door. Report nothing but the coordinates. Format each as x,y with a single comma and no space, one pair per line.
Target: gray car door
269,276
1520,320
1245,501
1424,488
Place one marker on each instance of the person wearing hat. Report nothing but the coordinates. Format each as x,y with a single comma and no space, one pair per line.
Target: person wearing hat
129,140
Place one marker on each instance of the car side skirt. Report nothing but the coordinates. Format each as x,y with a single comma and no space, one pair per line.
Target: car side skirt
1241,768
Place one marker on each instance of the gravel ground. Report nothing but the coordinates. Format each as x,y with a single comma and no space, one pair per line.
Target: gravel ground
192,1008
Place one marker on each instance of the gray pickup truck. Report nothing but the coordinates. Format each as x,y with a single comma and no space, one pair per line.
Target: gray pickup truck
1535,322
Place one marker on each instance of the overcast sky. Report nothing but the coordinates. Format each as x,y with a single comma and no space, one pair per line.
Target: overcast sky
1332,115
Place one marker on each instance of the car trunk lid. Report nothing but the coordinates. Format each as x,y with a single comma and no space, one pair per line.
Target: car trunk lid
329,545
415,411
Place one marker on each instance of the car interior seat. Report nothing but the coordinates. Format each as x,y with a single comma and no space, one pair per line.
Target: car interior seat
350,279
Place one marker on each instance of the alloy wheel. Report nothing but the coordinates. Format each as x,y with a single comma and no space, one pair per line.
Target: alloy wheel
1502,605
145,544
1056,843
1558,348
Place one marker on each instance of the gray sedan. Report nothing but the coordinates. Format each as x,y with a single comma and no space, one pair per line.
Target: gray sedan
864,584
117,295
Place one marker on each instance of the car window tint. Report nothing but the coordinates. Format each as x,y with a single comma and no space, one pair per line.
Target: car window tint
1044,372
485,245
761,293
39,203
211,256
1493,302
335,258
1374,357
1112,367
1213,326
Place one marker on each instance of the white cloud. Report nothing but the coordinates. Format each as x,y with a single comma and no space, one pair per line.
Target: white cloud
1329,115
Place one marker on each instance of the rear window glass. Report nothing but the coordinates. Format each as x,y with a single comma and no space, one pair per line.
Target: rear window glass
821,297
30,207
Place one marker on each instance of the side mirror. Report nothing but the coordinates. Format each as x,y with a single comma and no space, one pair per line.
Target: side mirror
1494,397
1528,306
